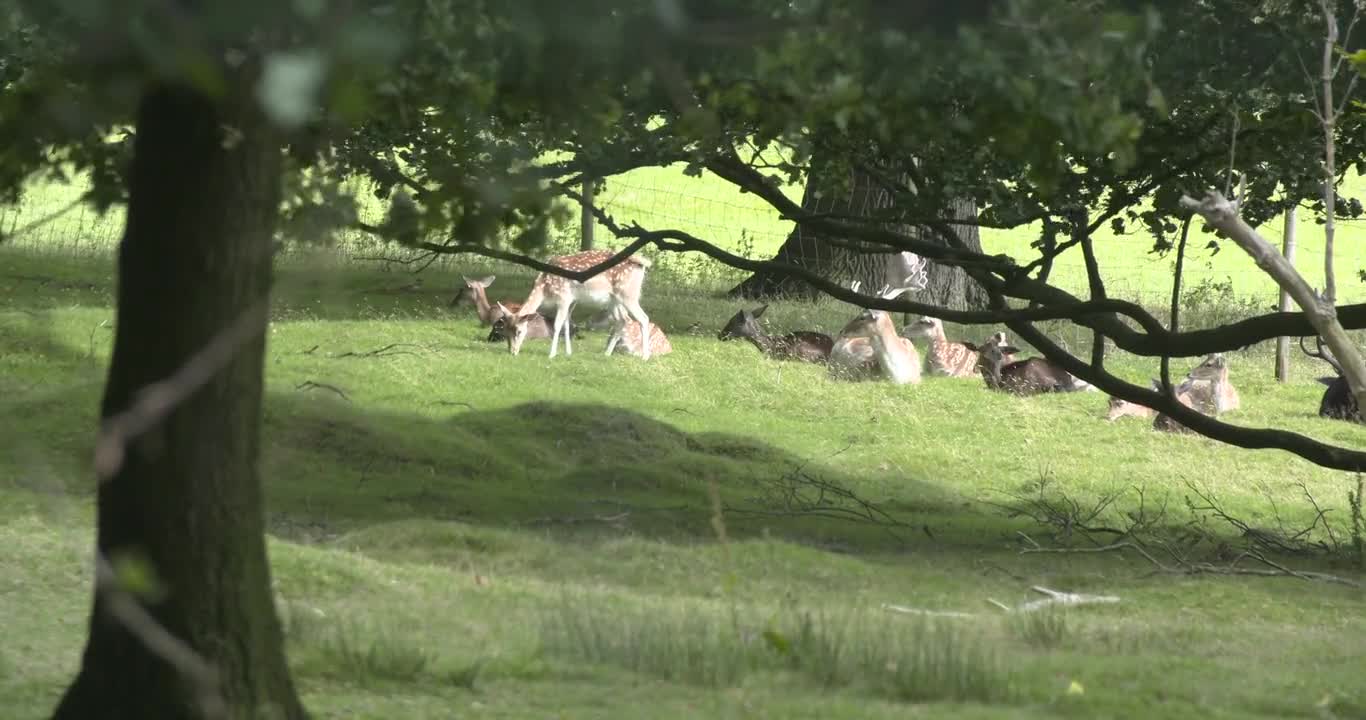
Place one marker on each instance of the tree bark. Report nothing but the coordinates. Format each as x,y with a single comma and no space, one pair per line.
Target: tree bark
948,286
195,256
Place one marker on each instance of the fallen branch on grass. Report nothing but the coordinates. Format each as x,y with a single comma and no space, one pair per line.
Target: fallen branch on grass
310,385
1055,597
1185,567
389,350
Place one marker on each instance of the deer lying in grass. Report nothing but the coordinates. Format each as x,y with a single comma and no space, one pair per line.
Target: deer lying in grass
1031,376
1123,408
799,345
944,357
1338,402
617,288
476,291
1206,389
629,332
895,356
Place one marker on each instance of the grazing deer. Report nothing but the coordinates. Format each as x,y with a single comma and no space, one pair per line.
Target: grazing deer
1338,402
1031,376
492,314
800,345
896,357
618,289
944,357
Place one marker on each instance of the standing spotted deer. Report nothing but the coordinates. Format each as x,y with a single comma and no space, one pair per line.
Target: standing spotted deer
944,357
618,289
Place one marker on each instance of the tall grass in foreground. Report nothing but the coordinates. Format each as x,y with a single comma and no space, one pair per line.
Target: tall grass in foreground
912,659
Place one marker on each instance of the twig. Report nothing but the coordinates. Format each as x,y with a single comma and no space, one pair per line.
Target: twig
386,351
309,384
158,640
152,403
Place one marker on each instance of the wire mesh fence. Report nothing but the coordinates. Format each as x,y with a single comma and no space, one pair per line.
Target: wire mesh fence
1221,284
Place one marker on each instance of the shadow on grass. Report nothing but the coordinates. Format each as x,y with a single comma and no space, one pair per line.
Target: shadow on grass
568,469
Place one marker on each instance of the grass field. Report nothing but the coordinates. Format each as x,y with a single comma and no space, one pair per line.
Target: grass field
468,534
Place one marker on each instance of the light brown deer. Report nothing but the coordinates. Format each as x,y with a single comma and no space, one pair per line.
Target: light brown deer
617,288
1210,388
944,357
1206,390
1123,408
895,356
629,331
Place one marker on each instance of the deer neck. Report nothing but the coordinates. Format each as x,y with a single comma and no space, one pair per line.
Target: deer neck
891,354
481,304
534,299
761,341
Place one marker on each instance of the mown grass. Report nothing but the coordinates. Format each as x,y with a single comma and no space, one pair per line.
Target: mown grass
468,532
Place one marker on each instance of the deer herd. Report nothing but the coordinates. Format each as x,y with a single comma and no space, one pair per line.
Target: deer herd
868,347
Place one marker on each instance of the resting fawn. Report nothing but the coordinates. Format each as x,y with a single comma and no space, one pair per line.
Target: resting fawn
896,357
800,345
1030,376
944,357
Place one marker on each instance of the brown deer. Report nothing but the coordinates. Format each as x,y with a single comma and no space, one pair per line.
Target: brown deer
895,356
492,314
617,288
1031,376
944,357
799,345
1338,402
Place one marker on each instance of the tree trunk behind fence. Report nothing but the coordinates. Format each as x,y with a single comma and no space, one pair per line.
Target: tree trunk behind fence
586,218
864,196
1283,343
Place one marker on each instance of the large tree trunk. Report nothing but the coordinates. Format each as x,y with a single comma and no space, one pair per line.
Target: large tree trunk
948,286
196,254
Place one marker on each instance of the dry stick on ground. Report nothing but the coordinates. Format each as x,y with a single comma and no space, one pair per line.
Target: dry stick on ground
309,385
387,351
1055,598
1221,214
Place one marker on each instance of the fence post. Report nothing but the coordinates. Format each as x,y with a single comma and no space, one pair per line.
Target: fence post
586,219
1283,343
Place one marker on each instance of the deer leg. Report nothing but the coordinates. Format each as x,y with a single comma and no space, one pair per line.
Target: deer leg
555,331
614,333
568,348
638,314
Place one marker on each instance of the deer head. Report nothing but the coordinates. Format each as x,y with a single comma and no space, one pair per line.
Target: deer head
991,357
925,327
1213,369
745,324
515,327
870,322
472,290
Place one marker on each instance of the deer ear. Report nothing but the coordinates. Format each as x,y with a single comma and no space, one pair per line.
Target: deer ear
487,281
759,310
1009,350
503,307
1327,380
971,346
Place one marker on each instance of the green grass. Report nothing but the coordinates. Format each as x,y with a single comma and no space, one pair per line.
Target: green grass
472,533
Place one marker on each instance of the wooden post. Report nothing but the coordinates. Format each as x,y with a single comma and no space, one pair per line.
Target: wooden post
586,219
1283,343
